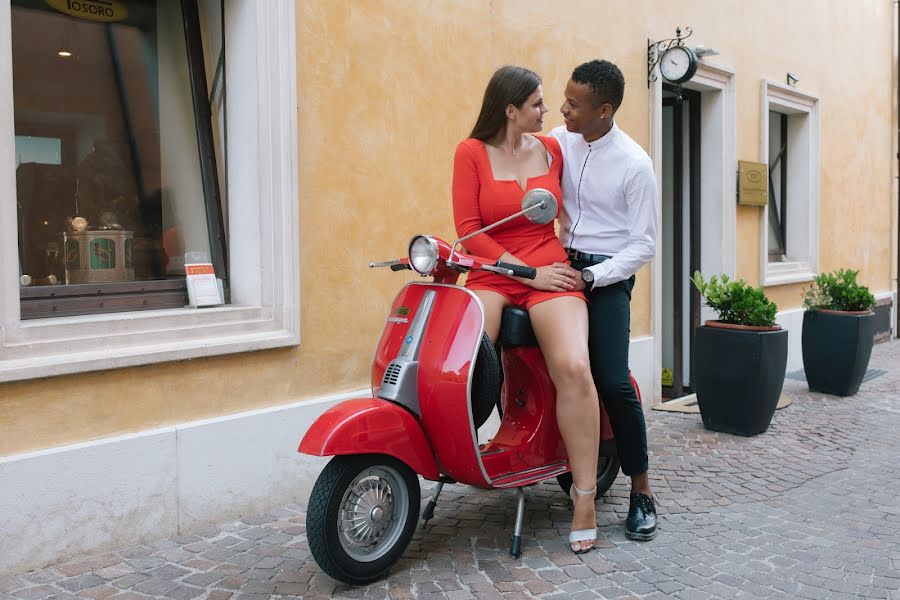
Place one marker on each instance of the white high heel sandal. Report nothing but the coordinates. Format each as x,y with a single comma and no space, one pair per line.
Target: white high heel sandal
581,535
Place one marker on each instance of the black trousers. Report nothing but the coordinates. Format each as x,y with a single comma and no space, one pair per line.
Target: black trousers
609,314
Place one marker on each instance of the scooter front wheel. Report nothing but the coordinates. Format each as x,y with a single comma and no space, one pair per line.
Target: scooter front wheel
361,516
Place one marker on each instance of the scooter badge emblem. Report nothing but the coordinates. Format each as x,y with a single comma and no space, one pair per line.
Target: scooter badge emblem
401,311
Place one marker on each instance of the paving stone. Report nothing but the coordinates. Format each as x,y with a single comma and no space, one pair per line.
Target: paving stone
668,587
154,586
688,594
184,592
145,563
100,592
75,584
259,587
169,572
84,566
233,583
35,592
129,580
613,592
114,571
269,562
291,589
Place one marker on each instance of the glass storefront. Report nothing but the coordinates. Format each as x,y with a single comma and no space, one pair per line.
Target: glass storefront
118,139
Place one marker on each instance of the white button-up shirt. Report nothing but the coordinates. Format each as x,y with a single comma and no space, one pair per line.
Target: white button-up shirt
609,202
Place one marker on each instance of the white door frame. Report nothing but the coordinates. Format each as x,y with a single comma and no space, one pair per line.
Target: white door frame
718,186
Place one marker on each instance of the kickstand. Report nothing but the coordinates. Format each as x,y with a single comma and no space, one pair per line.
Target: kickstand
515,548
428,513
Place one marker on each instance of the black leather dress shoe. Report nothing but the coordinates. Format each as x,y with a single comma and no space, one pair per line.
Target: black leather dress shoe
641,522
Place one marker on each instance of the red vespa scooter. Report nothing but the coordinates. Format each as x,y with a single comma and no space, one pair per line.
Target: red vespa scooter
436,378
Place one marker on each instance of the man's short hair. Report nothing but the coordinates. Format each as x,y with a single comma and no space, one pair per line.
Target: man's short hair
606,81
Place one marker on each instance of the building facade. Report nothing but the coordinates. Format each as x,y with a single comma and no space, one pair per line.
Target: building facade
289,144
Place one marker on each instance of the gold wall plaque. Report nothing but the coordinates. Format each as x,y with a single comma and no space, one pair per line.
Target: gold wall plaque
106,11
753,183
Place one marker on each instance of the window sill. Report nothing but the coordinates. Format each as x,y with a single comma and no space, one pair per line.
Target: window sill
48,347
784,273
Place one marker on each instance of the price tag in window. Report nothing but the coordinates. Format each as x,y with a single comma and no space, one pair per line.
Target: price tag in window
203,289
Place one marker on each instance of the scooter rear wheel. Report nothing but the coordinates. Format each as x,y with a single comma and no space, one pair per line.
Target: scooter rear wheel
607,471
361,516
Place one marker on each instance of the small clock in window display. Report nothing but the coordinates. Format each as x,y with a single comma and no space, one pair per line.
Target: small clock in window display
678,64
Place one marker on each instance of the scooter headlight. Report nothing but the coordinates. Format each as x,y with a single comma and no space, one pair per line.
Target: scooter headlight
423,254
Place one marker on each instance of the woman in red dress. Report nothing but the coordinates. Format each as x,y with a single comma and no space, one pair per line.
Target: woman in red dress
492,170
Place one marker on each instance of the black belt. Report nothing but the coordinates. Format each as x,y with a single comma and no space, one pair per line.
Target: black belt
575,255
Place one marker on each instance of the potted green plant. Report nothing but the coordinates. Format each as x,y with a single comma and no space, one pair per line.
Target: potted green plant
739,359
838,332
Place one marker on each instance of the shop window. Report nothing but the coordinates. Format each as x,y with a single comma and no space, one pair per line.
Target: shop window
790,147
258,212
118,141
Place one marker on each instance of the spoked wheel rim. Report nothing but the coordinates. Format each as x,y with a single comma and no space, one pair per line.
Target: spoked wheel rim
372,513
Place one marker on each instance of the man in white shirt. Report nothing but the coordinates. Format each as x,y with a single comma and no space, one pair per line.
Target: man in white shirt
608,227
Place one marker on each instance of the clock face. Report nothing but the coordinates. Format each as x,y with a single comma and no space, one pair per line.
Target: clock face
678,64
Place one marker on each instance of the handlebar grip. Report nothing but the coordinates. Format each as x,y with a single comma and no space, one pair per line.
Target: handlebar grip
518,270
400,267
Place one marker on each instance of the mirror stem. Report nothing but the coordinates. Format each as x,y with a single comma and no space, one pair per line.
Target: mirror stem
541,205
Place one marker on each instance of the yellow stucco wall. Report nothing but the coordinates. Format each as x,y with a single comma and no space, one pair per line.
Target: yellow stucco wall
842,53
387,89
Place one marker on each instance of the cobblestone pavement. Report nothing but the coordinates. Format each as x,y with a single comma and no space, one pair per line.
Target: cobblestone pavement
806,510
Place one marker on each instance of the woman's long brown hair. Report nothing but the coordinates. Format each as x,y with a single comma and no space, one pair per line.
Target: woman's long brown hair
509,85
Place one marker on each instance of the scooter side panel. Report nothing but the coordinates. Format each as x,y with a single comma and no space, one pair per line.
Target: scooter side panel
528,437
396,327
371,426
451,343
528,440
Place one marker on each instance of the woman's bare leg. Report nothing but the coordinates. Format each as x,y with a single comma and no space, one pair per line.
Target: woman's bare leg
561,327
494,304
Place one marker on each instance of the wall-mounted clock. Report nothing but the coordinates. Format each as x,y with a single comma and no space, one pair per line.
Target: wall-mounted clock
678,64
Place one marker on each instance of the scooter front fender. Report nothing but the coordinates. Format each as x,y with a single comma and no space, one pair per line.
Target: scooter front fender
371,426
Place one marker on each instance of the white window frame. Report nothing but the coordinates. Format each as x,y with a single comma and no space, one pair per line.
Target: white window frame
263,236
803,182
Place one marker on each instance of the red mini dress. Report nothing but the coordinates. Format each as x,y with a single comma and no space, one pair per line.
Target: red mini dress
479,200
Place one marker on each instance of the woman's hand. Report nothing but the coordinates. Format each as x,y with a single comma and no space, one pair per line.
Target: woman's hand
558,277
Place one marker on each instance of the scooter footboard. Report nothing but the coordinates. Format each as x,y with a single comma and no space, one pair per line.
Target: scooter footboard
371,426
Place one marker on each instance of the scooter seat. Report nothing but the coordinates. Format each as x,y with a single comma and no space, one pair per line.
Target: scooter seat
515,328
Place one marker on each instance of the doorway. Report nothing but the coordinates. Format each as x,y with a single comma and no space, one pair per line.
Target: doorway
681,236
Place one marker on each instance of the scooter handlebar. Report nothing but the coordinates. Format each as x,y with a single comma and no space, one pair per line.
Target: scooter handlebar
395,265
517,270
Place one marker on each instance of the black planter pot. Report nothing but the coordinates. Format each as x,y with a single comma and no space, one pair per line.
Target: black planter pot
738,375
836,350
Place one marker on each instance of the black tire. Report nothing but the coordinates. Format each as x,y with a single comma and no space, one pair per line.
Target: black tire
607,471
486,382
339,551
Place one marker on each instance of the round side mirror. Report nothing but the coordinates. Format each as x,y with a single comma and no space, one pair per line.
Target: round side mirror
540,206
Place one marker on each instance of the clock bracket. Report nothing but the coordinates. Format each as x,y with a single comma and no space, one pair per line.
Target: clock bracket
655,50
